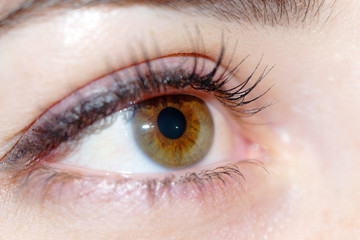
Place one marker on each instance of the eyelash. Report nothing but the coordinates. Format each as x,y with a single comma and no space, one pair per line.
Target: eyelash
90,114
52,181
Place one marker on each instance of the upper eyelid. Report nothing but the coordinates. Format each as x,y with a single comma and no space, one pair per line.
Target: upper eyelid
154,186
16,154
53,81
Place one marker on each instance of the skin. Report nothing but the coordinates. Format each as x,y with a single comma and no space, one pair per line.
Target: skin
308,136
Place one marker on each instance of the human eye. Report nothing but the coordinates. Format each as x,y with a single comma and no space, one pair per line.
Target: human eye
172,121
179,119
74,153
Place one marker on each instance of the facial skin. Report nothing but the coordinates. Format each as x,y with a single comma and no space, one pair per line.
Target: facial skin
308,136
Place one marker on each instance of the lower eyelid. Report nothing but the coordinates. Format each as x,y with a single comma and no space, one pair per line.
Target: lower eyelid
54,186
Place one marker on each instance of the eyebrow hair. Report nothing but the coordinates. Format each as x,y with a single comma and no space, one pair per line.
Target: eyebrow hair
264,12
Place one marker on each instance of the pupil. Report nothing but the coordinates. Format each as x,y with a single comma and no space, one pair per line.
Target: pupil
171,123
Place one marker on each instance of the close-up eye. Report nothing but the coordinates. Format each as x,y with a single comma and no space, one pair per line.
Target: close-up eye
173,116
179,120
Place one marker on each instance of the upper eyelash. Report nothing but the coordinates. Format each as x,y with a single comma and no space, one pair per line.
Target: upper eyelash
62,127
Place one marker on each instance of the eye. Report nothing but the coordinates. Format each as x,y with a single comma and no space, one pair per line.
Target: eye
175,131
177,112
161,134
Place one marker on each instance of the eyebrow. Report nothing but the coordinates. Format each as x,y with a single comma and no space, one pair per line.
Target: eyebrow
254,12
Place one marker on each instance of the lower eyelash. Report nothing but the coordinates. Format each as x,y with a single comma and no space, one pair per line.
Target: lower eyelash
57,186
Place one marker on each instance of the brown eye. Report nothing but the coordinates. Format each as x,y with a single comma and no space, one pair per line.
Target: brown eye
175,130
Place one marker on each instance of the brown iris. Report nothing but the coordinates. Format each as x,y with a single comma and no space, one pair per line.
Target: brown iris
174,130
